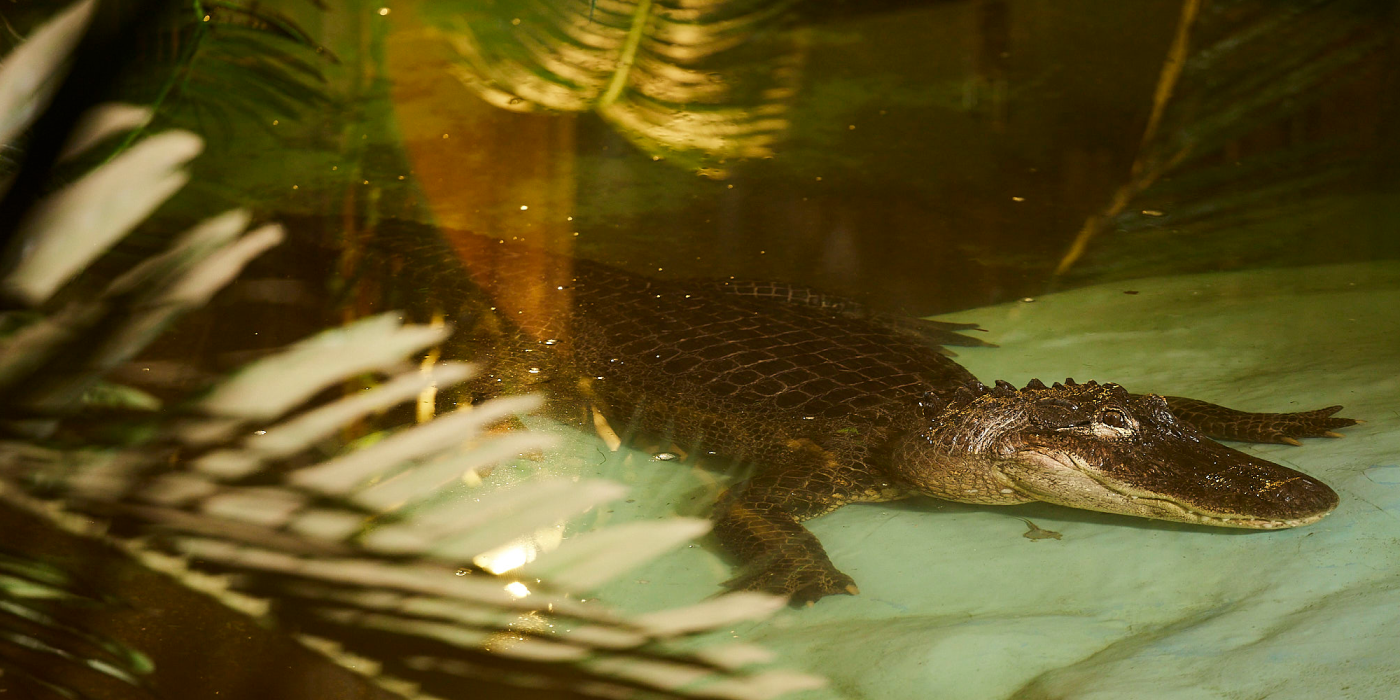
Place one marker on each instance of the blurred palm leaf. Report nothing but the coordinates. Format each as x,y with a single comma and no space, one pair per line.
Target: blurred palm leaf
389,546
40,646
31,72
698,82
369,544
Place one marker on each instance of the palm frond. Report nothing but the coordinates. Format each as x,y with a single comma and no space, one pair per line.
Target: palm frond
75,225
1237,68
30,73
104,122
696,82
240,58
376,539
259,18
1259,63
36,597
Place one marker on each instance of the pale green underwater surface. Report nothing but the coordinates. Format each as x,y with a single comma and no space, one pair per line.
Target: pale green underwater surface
955,604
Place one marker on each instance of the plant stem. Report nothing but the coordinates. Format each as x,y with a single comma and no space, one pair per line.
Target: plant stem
1145,169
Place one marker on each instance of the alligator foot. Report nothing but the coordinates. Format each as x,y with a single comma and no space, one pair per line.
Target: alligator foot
803,579
759,521
934,333
1224,423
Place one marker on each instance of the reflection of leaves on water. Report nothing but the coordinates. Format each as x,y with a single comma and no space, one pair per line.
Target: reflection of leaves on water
36,600
1199,191
241,58
697,82
360,549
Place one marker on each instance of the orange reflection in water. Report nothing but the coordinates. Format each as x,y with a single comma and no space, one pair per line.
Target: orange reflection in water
488,175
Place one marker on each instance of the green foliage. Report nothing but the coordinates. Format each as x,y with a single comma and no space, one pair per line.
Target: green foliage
38,643
238,61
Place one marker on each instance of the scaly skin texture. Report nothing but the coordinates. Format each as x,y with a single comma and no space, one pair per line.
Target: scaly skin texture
837,405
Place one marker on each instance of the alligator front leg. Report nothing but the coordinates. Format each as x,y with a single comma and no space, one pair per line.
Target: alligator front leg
759,522
1223,423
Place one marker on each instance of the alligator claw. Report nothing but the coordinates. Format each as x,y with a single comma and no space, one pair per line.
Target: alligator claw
803,583
1288,427
937,332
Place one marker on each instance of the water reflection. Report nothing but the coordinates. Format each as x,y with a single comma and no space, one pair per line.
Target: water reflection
981,139
700,83
522,551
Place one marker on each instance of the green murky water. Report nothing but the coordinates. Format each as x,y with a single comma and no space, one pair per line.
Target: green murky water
1194,198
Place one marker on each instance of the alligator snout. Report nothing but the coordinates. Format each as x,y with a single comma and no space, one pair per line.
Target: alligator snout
1188,479
1232,489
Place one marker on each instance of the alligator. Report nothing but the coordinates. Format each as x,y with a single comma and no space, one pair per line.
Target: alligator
838,405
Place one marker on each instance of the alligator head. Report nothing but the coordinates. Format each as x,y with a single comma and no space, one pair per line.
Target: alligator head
1097,447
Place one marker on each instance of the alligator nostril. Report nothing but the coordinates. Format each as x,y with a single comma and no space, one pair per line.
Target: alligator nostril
1302,497
1318,494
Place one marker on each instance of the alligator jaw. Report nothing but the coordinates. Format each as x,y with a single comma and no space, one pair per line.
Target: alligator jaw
1203,491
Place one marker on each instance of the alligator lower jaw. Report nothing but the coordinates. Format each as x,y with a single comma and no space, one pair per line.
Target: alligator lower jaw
1162,508
1083,487
1196,517
1259,524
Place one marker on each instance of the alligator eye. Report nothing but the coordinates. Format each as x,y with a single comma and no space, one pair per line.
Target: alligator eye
1114,418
